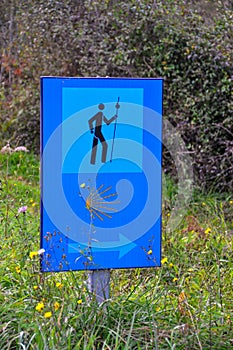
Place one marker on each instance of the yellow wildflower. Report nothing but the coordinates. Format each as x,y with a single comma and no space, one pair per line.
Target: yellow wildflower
35,287
48,314
149,252
79,301
33,254
39,306
56,305
164,261
59,285
39,252
18,269
171,265
231,202
175,279
208,230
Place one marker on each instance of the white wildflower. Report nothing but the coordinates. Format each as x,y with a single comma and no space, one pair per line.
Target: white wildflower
21,149
6,149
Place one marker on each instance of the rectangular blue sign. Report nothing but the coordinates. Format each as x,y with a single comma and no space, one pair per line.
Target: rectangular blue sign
101,150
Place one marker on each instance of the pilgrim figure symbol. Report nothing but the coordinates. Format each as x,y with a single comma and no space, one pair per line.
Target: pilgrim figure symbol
95,126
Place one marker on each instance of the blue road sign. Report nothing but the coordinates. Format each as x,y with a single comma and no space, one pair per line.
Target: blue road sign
101,150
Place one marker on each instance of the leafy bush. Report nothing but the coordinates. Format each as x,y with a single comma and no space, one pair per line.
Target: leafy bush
187,43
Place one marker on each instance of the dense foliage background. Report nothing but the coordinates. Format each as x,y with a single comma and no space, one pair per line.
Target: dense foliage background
188,43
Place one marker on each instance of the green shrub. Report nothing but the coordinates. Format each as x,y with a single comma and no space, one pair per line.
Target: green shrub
186,43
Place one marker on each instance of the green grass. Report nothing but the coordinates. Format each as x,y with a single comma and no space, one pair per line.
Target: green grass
185,304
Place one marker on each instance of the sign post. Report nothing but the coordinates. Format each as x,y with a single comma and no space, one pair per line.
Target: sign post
98,284
101,175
